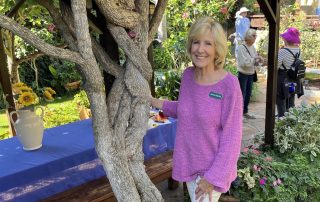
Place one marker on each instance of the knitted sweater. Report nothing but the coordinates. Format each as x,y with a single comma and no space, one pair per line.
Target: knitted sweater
209,130
245,61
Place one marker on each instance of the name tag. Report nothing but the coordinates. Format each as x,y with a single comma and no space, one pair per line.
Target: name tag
215,95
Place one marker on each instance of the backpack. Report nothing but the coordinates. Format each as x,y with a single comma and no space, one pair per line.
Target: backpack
298,69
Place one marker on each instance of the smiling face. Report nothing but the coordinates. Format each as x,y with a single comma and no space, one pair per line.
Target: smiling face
203,51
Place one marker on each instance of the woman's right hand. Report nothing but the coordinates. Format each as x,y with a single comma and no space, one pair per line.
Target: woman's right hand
157,103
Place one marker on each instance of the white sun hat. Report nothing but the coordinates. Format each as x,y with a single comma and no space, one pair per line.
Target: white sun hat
243,9
237,14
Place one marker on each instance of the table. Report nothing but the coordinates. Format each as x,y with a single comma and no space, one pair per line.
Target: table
66,159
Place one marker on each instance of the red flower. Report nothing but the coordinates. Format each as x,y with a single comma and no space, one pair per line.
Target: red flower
224,10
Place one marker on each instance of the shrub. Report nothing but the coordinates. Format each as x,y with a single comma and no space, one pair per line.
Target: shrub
167,83
62,114
299,131
81,99
290,171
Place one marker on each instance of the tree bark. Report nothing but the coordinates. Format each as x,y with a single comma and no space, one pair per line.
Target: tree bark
119,120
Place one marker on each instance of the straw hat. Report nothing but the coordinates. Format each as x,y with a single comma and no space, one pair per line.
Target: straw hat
291,35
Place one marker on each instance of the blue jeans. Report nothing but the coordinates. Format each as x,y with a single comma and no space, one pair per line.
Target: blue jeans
246,82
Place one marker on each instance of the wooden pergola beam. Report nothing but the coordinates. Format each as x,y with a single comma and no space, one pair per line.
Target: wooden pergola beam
272,13
5,83
4,72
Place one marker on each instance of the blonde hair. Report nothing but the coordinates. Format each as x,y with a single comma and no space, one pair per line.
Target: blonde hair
201,27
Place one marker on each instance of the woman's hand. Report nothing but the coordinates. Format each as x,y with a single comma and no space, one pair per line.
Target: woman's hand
154,102
204,187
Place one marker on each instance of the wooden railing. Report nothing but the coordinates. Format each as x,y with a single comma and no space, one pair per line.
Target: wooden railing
259,21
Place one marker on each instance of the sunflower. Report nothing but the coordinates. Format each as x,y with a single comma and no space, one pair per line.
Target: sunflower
27,98
50,90
25,89
18,85
47,95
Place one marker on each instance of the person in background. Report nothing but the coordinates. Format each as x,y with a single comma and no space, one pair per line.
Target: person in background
209,128
242,25
247,59
285,100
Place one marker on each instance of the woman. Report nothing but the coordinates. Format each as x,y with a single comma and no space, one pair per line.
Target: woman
242,25
246,61
209,129
286,57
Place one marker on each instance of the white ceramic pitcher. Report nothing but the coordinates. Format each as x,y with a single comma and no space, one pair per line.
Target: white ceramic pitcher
29,128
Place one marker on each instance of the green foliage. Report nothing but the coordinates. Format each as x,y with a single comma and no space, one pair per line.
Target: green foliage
60,113
275,177
299,131
167,83
290,171
312,77
180,15
163,59
81,99
231,67
310,46
4,125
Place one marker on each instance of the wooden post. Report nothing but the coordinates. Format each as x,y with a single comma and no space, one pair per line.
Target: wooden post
271,9
6,84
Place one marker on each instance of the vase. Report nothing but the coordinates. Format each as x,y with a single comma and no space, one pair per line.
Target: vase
29,128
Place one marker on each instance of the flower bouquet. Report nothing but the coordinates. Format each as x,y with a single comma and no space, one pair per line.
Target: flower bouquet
26,98
29,126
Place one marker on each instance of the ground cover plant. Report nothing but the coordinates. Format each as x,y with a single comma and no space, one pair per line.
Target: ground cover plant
291,170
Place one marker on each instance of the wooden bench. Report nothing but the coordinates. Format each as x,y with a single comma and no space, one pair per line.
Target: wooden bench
158,168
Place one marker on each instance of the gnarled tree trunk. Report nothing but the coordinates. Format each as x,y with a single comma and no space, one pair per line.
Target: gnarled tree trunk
119,120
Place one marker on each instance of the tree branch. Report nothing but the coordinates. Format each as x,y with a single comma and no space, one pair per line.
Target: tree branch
156,19
34,40
67,30
82,30
115,14
134,53
33,56
105,61
63,27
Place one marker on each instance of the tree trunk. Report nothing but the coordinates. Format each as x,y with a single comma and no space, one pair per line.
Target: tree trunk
119,120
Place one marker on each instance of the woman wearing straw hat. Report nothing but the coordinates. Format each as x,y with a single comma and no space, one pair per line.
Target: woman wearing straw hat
242,26
286,57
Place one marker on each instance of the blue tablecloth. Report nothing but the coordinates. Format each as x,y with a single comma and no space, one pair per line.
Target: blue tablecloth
66,159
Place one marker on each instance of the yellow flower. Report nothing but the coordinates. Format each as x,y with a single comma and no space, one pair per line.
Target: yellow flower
19,84
25,89
47,95
50,90
27,98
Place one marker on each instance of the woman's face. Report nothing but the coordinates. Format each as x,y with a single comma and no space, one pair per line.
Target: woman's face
251,40
203,51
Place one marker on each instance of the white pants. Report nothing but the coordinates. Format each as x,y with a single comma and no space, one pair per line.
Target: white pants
192,186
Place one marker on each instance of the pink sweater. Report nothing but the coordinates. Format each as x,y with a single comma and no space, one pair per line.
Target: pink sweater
209,130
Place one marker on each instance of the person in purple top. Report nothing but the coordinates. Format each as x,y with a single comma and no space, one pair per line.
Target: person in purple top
209,112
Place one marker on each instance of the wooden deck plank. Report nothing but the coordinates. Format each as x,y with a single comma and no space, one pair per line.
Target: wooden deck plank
158,168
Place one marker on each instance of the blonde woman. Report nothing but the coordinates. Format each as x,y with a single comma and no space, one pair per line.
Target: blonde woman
209,112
